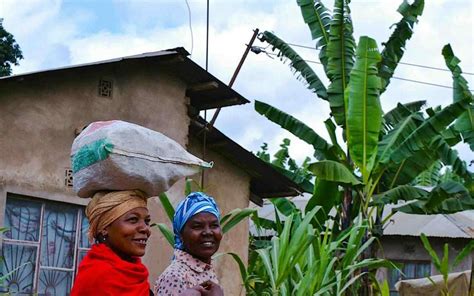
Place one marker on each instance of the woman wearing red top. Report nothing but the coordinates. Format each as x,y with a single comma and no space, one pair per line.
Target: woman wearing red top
119,225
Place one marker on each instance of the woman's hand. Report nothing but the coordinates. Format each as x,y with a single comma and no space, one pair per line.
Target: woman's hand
194,291
207,288
211,289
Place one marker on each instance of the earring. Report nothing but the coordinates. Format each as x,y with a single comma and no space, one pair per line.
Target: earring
101,238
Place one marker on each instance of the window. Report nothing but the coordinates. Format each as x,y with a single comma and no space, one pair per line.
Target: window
411,270
42,246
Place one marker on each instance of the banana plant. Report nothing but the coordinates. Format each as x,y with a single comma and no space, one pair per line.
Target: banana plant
386,152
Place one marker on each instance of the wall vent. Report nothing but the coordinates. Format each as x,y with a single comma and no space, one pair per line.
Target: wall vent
105,88
68,177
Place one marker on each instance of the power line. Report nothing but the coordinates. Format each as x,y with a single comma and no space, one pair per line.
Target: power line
403,63
190,26
394,77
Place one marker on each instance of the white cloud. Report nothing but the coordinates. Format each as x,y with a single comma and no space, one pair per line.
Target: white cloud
51,36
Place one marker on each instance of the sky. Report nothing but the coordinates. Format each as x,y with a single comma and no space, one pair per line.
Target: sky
56,33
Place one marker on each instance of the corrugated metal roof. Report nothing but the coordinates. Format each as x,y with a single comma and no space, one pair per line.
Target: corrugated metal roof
204,89
137,56
458,225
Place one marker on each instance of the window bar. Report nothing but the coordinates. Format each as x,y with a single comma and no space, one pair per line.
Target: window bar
38,250
55,268
20,242
77,243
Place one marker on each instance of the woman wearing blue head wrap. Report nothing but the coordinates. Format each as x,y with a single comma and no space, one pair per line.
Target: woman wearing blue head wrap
197,236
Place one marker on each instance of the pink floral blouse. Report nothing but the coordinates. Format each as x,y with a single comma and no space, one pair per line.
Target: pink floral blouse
184,272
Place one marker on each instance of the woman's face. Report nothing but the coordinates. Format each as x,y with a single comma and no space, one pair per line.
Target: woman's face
201,236
127,236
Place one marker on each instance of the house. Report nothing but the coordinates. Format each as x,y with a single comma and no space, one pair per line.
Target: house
41,113
401,243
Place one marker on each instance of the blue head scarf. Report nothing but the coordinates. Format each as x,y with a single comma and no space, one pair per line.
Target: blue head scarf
194,203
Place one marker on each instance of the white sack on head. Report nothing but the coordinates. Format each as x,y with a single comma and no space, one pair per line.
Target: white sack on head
118,155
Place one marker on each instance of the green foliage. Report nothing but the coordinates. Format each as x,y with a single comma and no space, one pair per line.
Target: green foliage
10,52
385,151
167,206
341,55
303,260
297,63
388,155
333,171
322,149
363,110
442,264
287,166
465,123
395,46
318,19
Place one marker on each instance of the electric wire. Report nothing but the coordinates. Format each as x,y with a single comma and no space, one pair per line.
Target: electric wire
393,77
403,63
190,26
207,36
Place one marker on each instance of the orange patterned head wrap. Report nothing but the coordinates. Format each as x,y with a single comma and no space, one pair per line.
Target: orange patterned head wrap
107,206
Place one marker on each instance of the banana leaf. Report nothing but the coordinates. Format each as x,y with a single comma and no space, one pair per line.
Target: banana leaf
405,172
331,128
284,206
304,183
363,110
399,113
326,194
451,136
282,156
450,157
465,123
402,192
431,176
430,128
333,171
446,198
460,87
318,18
297,63
263,223
397,135
340,52
395,46
297,128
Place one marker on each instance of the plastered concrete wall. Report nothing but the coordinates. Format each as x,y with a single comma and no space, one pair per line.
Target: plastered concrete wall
39,117
230,188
